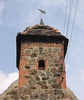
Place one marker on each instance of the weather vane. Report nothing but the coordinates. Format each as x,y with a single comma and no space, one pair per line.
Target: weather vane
42,12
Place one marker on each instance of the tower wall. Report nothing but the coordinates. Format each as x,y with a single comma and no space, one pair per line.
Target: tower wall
53,73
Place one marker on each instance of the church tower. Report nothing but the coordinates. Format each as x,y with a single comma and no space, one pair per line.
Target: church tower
41,51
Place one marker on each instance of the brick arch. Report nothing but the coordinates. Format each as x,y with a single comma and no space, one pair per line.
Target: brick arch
44,66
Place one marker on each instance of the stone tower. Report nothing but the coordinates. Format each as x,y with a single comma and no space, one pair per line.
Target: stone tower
41,51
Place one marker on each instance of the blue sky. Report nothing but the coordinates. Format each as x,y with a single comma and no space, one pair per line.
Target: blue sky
16,15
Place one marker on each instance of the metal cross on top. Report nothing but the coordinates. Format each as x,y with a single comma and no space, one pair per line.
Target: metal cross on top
42,12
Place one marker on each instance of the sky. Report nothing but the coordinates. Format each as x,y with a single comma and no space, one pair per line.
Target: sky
16,15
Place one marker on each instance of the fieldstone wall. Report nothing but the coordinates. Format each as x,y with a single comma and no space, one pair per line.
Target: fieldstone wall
25,93
44,84
31,93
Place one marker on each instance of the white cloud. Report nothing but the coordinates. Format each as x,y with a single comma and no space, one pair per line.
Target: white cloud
2,6
6,80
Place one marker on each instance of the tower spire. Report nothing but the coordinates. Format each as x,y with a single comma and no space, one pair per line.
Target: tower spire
42,12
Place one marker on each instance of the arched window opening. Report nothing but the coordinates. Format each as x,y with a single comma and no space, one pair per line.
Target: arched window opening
41,65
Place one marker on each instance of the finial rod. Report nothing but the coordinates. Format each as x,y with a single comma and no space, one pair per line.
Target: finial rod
42,11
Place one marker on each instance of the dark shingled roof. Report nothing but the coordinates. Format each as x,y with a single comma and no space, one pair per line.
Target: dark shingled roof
41,30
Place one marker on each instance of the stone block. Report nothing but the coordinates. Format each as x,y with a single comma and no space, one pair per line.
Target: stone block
32,87
44,87
60,96
34,96
23,97
26,91
57,92
33,55
14,97
48,72
48,91
52,80
42,73
37,78
52,97
54,70
56,86
43,96
33,72
32,81
45,78
27,67
41,83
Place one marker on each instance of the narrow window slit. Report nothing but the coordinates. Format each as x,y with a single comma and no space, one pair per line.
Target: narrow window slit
41,65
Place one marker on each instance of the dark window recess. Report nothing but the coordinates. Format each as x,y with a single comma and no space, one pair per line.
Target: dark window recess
41,65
